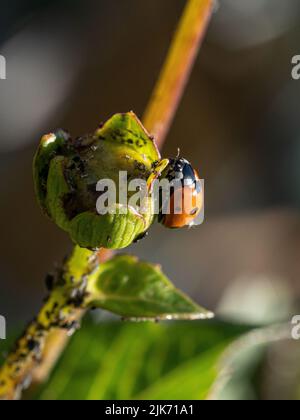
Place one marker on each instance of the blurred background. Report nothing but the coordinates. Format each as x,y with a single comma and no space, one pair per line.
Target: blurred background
72,64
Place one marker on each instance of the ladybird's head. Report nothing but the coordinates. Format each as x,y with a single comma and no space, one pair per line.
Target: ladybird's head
185,201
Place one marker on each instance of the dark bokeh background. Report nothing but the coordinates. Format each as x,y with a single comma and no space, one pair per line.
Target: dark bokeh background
72,64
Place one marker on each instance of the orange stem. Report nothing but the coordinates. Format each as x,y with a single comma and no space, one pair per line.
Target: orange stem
177,69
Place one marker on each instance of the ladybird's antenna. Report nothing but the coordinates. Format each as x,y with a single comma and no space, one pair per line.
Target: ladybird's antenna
178,152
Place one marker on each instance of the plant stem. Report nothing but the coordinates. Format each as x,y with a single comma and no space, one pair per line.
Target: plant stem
57,340
49,339
177,68
60,313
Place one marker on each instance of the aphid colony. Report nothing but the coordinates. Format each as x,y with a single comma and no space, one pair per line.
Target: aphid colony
67,173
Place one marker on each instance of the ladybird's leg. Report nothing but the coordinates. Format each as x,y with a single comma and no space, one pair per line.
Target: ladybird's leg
158,170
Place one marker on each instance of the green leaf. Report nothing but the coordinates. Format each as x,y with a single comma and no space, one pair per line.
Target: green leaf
127,130
90,230
142,361
134,289
50,146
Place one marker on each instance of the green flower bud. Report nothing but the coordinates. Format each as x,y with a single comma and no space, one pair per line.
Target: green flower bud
66,173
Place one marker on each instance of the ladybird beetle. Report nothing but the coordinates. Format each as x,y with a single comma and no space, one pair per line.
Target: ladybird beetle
185,200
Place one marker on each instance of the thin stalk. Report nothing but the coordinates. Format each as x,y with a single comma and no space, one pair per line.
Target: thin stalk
177,68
